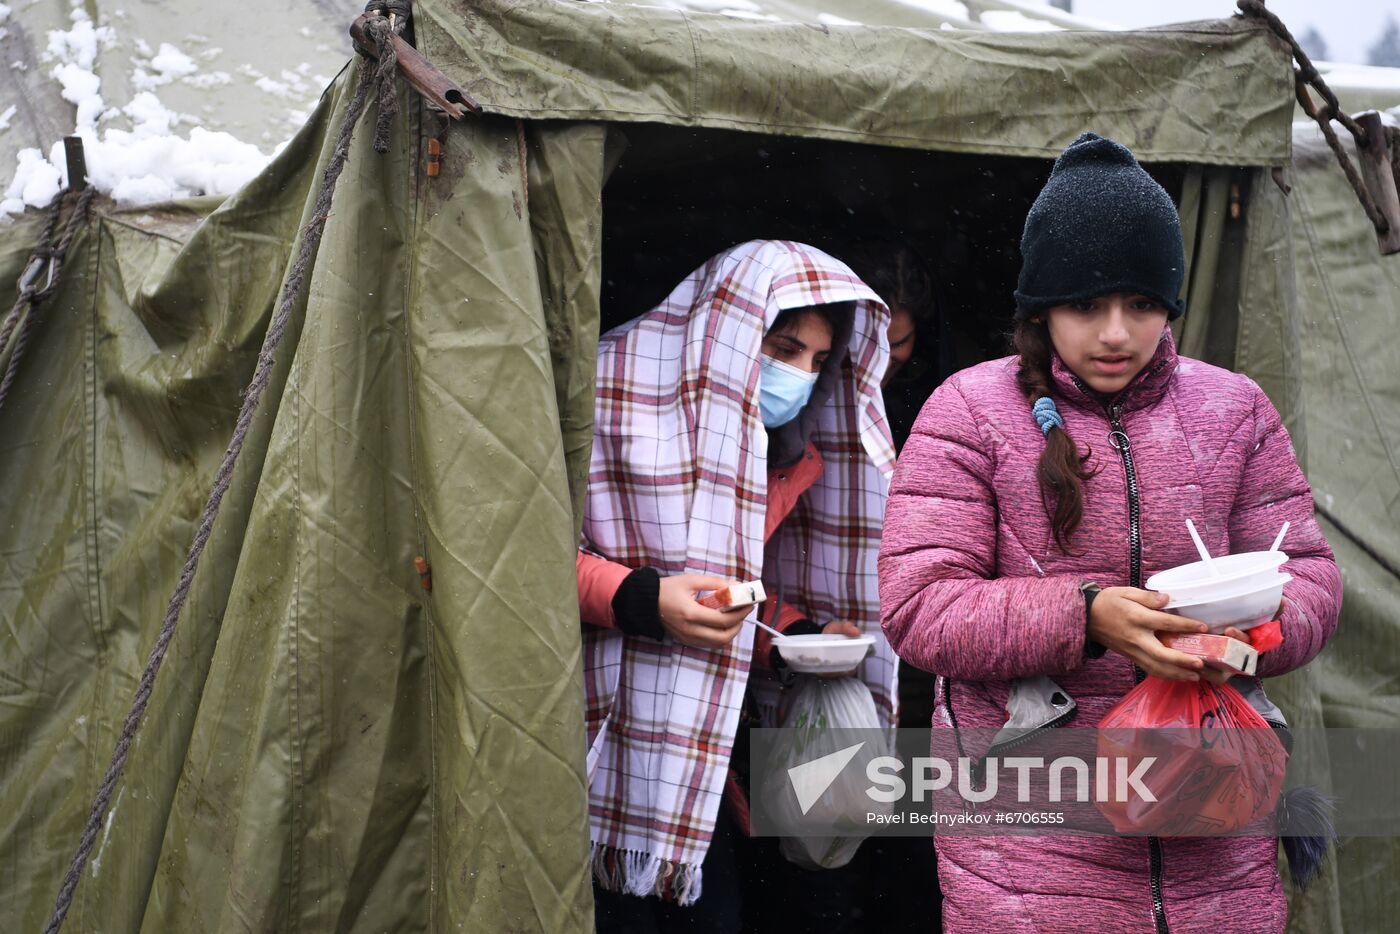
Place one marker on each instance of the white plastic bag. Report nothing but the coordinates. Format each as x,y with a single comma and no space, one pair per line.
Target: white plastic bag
814,708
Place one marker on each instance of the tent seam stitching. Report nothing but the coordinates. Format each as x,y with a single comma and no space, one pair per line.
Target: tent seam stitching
148,232
94,584
294,632
694,70
421,533
865,138
91,386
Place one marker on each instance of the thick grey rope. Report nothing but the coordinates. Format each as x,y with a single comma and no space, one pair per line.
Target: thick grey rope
379,30
26,292
386,69
30,297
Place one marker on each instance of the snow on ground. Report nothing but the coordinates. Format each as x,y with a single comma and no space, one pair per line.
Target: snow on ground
748,14
149,160
950,9
992,15
1012,21
714,6
294,85
1360,76
739,9
164,67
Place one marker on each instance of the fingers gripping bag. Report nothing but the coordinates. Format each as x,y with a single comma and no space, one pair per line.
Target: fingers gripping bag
827,717
1212,763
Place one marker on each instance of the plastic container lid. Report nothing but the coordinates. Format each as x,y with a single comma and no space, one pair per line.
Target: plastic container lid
1233,570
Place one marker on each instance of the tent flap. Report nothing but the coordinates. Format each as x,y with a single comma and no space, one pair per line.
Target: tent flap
330,746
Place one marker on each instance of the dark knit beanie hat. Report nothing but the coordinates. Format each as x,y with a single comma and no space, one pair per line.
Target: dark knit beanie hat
1100,225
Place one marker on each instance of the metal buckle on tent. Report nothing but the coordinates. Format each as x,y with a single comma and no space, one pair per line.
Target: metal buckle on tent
422,74
31,273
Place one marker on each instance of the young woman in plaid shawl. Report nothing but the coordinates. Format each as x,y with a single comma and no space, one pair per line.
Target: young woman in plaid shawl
703,475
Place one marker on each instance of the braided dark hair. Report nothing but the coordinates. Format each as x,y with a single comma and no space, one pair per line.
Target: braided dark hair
1061,469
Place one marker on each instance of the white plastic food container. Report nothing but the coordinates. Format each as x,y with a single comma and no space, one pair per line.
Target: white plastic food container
1241,610
1237,574
821,654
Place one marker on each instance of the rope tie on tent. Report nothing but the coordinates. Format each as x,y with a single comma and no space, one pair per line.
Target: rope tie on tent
422,75
391,9
1306,75
47,259
382,33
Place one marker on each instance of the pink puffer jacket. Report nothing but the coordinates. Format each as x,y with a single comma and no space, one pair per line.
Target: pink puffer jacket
974,589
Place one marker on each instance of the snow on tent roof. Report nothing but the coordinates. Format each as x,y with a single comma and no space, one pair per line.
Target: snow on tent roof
980,15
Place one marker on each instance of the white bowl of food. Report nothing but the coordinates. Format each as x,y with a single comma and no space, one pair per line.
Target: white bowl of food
1243,609
821,654
1232,574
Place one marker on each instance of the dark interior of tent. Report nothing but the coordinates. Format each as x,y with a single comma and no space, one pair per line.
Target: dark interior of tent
681,195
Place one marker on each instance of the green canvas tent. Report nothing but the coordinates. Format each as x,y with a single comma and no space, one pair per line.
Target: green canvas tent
1347,294
331,746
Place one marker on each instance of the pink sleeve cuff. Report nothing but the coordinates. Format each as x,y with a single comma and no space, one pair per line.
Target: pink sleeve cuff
598,580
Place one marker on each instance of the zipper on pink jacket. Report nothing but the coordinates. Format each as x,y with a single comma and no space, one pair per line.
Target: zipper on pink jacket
1119,439
1121,443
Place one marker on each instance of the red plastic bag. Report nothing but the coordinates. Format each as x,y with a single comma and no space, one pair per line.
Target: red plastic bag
1217,768
1267,636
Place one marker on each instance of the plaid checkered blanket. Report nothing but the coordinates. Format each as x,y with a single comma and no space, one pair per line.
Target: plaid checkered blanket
678,481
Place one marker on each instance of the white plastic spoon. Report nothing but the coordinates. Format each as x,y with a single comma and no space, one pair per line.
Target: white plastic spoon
762,625
1201,547
1279,540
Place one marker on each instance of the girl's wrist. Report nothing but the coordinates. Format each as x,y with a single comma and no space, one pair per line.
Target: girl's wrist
1092,648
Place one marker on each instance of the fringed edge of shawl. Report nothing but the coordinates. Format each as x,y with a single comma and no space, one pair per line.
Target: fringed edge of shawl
642,874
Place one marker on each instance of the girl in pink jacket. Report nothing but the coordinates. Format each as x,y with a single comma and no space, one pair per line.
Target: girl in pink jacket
1037,493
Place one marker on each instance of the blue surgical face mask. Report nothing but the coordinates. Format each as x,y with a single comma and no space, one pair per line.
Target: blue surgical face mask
782,391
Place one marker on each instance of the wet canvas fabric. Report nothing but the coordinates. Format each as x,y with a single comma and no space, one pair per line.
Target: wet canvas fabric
330,746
